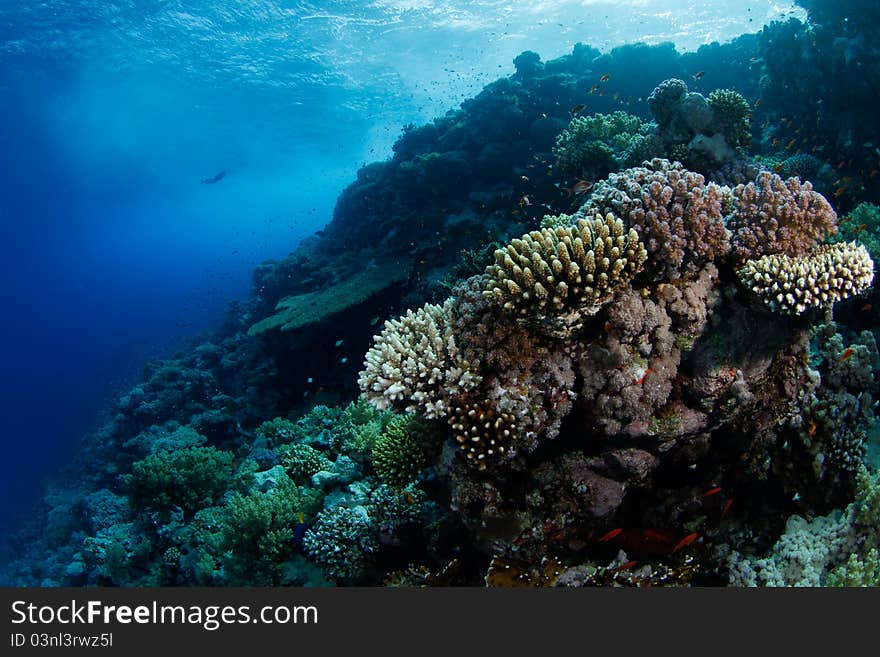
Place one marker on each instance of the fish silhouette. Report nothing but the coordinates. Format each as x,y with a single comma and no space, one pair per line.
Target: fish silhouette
215,178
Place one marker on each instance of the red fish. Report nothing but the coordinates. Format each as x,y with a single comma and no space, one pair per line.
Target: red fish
725,508
711,491
687,540
614,533
846,355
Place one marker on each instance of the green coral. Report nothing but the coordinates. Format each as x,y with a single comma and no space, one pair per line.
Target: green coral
857,571
399,455
302,461
258,531
276,432
593,146
732,113
190,478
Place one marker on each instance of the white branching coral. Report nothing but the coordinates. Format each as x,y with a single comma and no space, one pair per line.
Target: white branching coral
415,364
828,274
568,269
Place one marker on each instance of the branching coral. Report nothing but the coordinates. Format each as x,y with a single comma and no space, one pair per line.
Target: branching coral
190,478
399,454
302,461
731,113
677,216
824,276
342,541
257,530
772,215
593,146
415,363
568,272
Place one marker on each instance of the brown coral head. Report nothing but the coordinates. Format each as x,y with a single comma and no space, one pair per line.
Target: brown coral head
483,433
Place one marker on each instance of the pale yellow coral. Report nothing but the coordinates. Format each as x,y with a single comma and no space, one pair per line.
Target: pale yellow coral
564,269
415,364
827,274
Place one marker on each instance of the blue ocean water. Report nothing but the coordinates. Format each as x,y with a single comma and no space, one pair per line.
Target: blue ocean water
115,112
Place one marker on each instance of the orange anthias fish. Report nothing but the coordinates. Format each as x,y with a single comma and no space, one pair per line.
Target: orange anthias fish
687,540
605,78
846,355
711,491
699,76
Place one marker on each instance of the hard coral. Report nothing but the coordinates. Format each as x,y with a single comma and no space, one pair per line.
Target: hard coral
731,113
824,276
772,215
342,541
593,146
415,363
569,272
676,214
399,454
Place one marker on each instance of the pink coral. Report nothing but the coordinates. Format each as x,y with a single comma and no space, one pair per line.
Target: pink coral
772,216
677,215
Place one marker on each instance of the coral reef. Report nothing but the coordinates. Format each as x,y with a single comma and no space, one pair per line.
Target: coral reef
839,549
706,134
628,434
